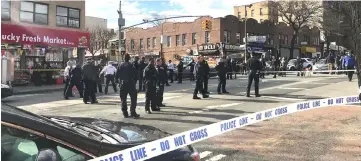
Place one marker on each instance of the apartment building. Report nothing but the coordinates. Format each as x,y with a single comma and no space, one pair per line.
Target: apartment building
223,38
43,32
259,11
93,22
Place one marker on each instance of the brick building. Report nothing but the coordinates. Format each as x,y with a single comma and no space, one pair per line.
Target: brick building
225,37
259,11
43,32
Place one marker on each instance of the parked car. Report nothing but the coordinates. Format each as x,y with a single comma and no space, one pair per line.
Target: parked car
321,65
307,63
6,91
24,135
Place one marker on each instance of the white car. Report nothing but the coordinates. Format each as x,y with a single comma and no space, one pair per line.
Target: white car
307,63
6,91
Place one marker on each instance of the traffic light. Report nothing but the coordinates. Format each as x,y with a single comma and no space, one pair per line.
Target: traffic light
207,25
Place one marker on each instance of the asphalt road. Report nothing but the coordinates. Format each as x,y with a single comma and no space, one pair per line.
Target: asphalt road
182,112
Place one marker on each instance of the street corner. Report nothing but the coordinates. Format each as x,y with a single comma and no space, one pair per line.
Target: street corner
331,133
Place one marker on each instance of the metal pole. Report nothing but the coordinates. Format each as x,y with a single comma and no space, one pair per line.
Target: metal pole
121,22
245,33
161,41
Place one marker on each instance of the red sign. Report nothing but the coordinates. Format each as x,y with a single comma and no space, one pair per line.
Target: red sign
43,36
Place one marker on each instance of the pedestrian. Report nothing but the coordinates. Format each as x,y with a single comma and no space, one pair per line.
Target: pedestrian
206,75
221,69
199,73
150,81
180,68
67,75
109,74
127,75
191,65
254,66
299,66
234,68
75,80
89,79
136,66
264,66
100,78
162,80
142,66
165,66
229,68
349,64
171,70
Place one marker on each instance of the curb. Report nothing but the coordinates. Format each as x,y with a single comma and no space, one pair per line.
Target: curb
37,91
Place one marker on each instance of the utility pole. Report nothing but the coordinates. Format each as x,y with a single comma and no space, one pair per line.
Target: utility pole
121,22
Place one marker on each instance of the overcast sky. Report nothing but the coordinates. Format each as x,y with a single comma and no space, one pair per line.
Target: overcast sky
134,11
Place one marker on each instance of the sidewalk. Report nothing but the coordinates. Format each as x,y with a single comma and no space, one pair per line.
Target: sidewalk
31,89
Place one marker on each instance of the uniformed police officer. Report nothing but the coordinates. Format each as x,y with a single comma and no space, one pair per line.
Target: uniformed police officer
254,66
109,74
199,73
127,75
221,69
206,75
162,80
89,79
142,66
150,76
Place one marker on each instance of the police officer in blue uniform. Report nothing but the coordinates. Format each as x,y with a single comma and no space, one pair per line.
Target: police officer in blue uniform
221,69
127,75
255,66
199,73
150,76
162,81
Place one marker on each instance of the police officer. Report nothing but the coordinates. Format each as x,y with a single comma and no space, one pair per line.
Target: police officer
75,80
254,66
221,69
100,78
199,73
89,79
109,74
180,71
150,79
136,66
142,66
206,75
127,75
67,75
162,80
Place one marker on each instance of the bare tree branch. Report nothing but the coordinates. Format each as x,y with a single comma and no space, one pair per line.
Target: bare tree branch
99,37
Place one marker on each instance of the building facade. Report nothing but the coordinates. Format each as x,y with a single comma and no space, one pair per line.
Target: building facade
94,22
43,34
259,11
225,37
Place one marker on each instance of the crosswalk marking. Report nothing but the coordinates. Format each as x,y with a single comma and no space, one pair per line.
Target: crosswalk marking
204,154
218,157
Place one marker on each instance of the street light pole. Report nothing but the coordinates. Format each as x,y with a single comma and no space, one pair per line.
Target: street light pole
121,22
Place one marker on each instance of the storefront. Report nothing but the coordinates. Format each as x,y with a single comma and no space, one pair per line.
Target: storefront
210,52
41,48
307,51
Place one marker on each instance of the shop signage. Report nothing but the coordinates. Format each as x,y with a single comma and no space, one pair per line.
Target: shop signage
257,39
208,47
17,34
232,47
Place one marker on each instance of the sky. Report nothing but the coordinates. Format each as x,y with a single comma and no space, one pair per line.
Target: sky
134,11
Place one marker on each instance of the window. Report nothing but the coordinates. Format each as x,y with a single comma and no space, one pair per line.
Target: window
141,43
260,12
154,42
169,40
148,42
252,13
239,15
132,45
69,17
207,37
286,39
226,36
238,37
269,39
177,39
194,39
33,12
184,39
21,145
281,39
5,10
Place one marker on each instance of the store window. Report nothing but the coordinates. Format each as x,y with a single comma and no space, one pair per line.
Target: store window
69,17
207,37
5,10
34,12
169,40
194,39
184,39
154,42
177,38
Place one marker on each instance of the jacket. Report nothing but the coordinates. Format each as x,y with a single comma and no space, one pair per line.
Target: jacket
89,72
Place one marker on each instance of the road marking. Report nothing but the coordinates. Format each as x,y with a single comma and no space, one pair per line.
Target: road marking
208,108
204,154
25,95
218,157
291,88
284,98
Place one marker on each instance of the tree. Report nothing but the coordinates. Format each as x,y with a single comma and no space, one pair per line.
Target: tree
297,14
330,25
99,38
351,12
